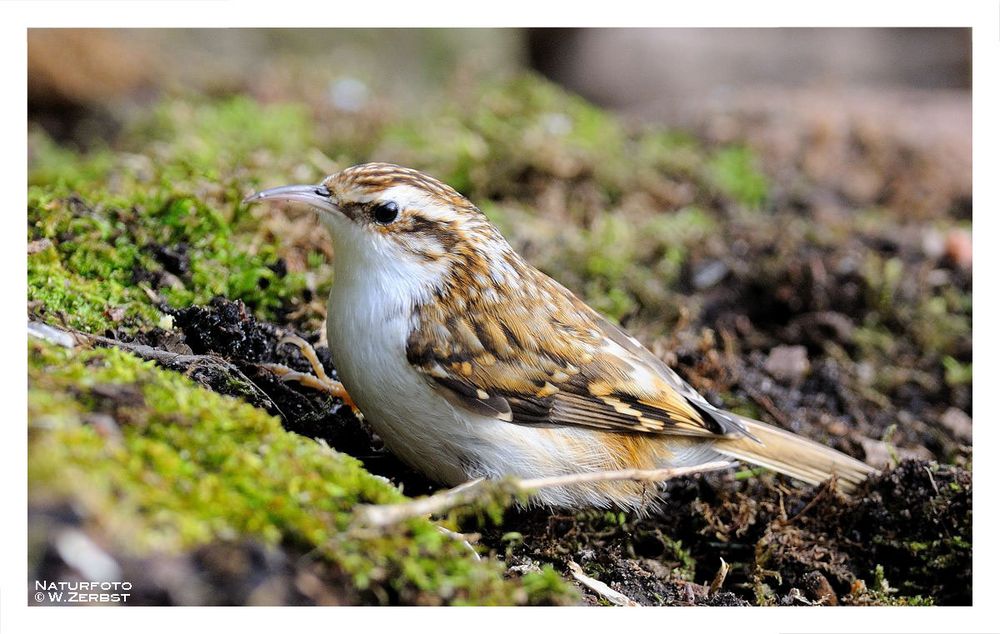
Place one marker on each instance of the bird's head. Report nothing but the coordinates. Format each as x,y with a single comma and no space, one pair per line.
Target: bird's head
399,221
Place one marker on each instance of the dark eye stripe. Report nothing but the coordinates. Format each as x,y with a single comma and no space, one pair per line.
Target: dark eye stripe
420,224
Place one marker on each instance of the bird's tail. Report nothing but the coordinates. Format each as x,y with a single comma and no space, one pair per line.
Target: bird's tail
794,456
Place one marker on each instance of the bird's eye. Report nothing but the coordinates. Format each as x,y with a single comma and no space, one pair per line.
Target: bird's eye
386,212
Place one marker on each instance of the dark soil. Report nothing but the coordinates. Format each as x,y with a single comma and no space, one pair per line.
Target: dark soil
227,330
786,545
905,536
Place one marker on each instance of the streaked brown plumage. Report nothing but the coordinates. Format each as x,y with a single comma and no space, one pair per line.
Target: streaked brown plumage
504,370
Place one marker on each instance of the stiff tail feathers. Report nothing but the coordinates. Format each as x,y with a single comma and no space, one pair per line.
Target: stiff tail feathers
794,456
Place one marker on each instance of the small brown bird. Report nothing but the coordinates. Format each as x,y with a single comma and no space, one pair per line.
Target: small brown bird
469,362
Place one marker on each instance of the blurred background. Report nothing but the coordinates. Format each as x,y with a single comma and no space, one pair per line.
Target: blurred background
667,75
783,92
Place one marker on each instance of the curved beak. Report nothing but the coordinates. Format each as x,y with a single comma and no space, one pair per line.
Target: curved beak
316,196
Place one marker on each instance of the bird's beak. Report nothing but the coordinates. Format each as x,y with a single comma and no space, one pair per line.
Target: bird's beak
316,196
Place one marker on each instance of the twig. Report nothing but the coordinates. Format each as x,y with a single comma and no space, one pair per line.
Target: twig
765,401
828,487
382,515
933,483
170,360
462,539
635,475
720,577
51,334
601,588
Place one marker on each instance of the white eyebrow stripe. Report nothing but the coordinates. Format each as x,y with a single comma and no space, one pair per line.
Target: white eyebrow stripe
399,193
410,197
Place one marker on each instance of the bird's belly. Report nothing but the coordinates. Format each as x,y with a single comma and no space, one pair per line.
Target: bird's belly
452,446
415,424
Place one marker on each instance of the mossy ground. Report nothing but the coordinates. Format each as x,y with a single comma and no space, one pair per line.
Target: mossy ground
159,465
708,257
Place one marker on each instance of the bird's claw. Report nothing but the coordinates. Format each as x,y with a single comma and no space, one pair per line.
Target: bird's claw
319,380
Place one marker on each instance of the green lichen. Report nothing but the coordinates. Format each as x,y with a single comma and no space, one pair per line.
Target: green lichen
190,466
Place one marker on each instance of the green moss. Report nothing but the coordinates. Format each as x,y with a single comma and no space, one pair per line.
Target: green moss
493,141
936,319
191,466
526,124
881,593
81,302
111,215
620,264
544,584
734,172
177,174
939,321
685,561
956,372
52,164
674,152
102,255
884,277
235,128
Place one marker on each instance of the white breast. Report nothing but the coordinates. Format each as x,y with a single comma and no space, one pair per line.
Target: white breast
368,322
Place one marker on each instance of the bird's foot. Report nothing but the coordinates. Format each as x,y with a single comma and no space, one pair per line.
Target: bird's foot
318,380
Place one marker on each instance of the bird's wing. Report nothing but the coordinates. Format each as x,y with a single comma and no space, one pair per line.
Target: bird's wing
550,360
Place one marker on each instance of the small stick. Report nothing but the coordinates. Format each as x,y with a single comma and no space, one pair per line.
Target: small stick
382,515
171,360
720,577
601,588
462,539
828,487
933,483
765,401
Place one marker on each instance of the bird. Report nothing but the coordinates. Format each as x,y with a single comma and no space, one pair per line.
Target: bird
470,363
